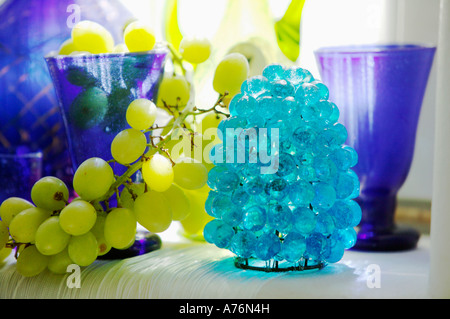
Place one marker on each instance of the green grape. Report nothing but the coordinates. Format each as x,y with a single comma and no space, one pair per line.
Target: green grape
230,73
4,253
11,207
83,249
67,47
50,193
153,211
58,263
190,174
114,120
195,50
210,122
92,37
93,178
141,114
197,218
158,173
31,262
24,225
4,234
128,146
80,76
126,197
50,237
178,201
88,109
120,227
77,218
173,91
139,37
99,232
120,48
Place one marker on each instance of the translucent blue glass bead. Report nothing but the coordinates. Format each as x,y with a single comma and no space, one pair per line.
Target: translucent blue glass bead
240,197
267,246
246,106
303,138
277,189
227,181
301,193
323,90
243,244
344,157
347,236
214,174
315,244
232,104
333,250
304,220
289,107
231,124
293,247
255,86
310,114
253,185
254,218
340,132
296,75
221,130
286,164
329,139
219,204
307,93
346,184
266,106
282,130
324,197
305,158
282,88
325,168
307,173
346,213
353,155
334,116
232,215
280,217
218,233
256,121
208,203
326,111
324,224
273,72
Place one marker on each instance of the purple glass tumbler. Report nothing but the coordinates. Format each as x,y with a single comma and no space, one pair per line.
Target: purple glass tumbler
94,92
379,90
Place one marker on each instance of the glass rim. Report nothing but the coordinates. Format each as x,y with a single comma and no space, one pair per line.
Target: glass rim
35,154
376,48
159,48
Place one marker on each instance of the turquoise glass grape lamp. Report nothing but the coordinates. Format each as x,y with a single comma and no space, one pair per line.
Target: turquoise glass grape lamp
295,211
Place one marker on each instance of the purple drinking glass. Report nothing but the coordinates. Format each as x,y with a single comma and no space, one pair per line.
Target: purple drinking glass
94,92
379,90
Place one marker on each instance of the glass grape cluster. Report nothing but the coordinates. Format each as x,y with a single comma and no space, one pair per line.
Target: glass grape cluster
302,214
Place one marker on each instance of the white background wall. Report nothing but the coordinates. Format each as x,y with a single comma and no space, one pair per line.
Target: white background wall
332,22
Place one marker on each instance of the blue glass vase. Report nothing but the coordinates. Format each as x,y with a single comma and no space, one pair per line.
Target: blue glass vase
29,113
379,89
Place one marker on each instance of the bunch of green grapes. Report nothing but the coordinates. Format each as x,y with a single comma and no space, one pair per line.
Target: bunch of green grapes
51,232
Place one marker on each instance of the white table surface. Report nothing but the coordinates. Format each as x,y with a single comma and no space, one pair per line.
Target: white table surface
194,270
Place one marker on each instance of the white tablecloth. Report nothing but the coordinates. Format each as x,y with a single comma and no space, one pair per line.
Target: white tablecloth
194,270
